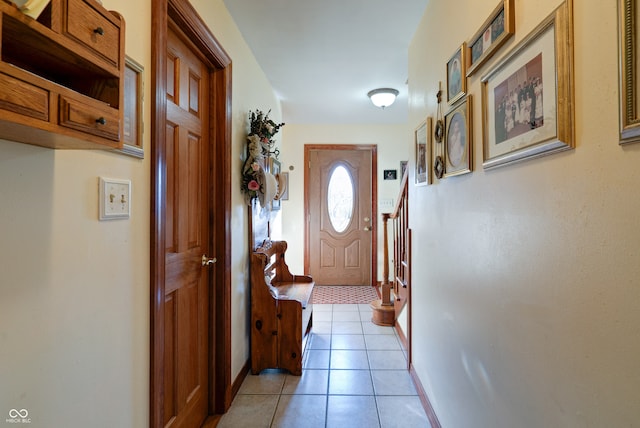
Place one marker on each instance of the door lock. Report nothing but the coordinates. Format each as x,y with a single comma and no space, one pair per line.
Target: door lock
206,261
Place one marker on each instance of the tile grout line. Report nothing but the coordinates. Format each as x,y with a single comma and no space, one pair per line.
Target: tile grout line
346,345
326,410
331,369
373,385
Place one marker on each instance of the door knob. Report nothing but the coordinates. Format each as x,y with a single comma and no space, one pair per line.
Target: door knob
367,228
206,261
366,219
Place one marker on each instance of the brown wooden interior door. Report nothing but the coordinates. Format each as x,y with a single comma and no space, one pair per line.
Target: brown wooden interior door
186,316
340,245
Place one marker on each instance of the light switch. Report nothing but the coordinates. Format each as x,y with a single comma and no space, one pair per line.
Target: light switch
115,198
386,204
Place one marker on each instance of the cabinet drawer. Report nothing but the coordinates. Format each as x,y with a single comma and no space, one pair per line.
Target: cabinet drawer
23,98
93,29
102,121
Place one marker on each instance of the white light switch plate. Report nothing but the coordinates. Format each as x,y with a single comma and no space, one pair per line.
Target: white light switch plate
386,204
115,198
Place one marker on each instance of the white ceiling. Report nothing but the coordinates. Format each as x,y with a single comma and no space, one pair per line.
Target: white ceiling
323,56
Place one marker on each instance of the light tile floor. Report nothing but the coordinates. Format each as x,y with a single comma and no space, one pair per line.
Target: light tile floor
354,375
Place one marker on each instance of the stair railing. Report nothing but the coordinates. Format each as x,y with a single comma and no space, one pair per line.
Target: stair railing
401,245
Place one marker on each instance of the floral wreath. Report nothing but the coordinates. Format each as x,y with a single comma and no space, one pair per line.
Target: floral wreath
260,145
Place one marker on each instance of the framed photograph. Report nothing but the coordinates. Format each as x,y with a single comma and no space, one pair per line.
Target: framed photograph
390,174
275,169
458,147
495,31
456,75
132,126
629,36
423,142
527,99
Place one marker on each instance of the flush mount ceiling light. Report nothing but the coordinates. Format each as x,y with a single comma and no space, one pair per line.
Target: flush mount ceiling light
383,97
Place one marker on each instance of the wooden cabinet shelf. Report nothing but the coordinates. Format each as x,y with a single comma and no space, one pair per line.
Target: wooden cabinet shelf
62,76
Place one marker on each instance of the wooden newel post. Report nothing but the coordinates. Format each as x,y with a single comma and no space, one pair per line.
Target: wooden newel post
383,309
386,287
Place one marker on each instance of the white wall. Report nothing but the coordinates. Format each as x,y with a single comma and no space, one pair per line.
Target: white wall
251,90
74,291
525,278
391,141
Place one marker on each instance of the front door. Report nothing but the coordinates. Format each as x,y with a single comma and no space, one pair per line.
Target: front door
187,238
341,214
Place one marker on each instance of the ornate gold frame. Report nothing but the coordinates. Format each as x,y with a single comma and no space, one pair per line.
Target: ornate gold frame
464,109
505,7
629,32
459,55
423,136
560,23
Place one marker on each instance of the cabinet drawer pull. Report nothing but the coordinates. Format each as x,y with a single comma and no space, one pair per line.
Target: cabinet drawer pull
99,31
101,121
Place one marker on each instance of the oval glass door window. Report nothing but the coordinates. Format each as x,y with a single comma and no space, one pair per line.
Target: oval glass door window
340,199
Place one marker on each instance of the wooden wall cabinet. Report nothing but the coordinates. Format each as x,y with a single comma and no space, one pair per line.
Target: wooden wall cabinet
62,76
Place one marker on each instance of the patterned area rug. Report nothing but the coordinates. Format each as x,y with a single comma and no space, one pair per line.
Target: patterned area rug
343,294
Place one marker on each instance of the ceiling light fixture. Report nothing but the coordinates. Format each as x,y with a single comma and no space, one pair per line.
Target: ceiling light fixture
383,97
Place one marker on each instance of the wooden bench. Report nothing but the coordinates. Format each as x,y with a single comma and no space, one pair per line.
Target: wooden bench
281,311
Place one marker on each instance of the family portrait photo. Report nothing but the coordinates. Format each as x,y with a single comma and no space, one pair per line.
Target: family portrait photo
423,144
523,115
457,145
456,140
489,36
456,75
519,103
494,32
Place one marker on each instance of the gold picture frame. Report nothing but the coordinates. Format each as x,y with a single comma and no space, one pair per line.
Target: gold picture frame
457,74
423,137
132,125
629,52
458,144
541,65
493,33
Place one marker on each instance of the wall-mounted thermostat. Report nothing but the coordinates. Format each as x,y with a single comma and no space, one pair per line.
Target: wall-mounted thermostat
115,198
